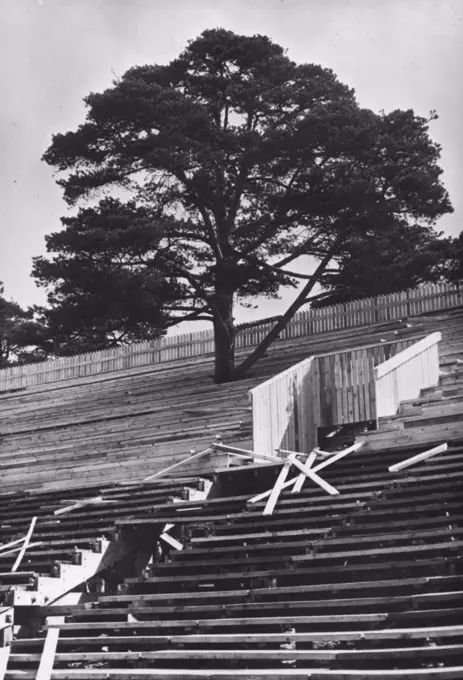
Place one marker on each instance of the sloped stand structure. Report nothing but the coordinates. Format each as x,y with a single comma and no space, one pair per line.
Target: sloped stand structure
133,547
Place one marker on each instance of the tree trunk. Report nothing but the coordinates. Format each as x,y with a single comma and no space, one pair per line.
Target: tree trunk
261,349
224,337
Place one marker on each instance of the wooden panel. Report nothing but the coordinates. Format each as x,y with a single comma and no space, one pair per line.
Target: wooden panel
282,417
322,391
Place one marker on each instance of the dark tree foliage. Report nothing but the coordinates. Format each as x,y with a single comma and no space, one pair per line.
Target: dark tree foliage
395,259
455,266
107,291
227,165
23,338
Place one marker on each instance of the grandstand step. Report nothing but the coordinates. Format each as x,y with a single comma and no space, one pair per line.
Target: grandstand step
160,641
330,621
376,588
357,605
369,581
447,673
373,656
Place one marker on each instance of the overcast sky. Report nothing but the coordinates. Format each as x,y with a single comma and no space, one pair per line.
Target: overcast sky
395,53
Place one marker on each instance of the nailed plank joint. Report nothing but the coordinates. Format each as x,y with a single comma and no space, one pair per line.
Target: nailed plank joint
418,458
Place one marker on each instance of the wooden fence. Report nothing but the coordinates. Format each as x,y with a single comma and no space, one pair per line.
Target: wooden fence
321,391
382,308
406,374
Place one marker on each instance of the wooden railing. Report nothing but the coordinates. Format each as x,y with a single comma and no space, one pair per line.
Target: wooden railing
406,374
321,391
382,308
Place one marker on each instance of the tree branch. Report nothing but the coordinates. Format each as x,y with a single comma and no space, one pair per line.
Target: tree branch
214,243
188,317
300,300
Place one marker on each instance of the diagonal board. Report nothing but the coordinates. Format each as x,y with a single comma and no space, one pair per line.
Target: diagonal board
311,473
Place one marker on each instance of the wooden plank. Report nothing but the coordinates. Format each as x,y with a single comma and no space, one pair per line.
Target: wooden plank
337,456
418,458
5,546
407,354
444,673
171,541
15,550
301,479
275,492
4,655
253,638
215,622
25,545
97,500
176,465
317,468
47,659
263,654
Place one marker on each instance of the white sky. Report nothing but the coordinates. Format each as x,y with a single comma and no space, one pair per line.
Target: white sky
395,53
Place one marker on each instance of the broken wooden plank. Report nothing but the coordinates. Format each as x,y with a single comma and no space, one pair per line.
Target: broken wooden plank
418,458
18,547
337,456
25,544
273,498
171,541
301,479
47,659
246,453
176,465
4,546
317,468
97,500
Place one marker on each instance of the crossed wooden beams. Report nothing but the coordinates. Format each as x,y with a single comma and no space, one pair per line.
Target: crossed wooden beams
21,545
307,471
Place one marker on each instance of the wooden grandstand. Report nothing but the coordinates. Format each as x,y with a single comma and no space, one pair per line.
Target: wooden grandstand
149,526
